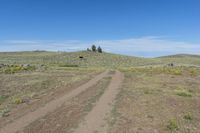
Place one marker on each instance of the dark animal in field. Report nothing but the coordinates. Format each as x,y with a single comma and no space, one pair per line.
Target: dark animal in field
81,57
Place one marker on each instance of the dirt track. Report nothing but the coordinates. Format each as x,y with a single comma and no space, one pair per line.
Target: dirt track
19,124
94,120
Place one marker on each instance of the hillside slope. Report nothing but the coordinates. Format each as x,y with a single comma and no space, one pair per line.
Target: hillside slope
92,59
182,59
73,58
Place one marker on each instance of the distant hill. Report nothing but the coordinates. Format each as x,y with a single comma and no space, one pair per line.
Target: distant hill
93,59
180,56
182,59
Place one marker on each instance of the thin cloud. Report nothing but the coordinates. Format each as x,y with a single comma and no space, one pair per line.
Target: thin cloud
149,46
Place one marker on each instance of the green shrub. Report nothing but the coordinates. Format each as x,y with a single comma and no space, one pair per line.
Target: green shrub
17,68
172,125
8,71
2,99
17,100
194,71
188,116
184,94
177,72
4,112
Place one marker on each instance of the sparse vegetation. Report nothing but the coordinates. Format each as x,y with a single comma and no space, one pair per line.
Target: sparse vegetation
4,112
152,91
17,100
2,99
11,69
152,95
21,87
188,116
183,93
172,125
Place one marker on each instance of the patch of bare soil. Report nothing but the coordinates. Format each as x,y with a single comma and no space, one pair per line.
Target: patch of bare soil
18,124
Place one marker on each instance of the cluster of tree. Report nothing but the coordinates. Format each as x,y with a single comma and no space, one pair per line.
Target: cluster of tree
95,49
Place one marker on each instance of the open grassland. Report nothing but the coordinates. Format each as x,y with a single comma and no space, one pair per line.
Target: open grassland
158,100
181,59
91,59
158,95
27,86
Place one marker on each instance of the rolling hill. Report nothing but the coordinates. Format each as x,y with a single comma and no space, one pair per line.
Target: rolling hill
182,59
92,59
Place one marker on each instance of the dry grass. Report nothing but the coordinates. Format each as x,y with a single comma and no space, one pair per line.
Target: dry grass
155,100
71,113
23,87
152,99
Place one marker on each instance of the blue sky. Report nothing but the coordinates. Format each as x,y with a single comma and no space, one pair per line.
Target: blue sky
133,27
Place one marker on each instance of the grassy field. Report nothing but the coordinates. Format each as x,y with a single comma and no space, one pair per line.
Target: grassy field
26,86
92,59
154,98
182,59
159,100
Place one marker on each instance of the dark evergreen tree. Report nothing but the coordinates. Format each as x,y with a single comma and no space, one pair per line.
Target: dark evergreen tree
94,49
99,49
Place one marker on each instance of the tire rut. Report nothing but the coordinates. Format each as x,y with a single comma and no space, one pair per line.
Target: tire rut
95,121
21,123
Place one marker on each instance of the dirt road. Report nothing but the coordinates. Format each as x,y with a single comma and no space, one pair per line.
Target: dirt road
19,124
95,120
67,113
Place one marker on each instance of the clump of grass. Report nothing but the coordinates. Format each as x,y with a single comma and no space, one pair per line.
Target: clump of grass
2,98
184,93
17,100
172,125
4,112
8,71
188,116
194,71
147,92
173,71
177,72
28,68
11,69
